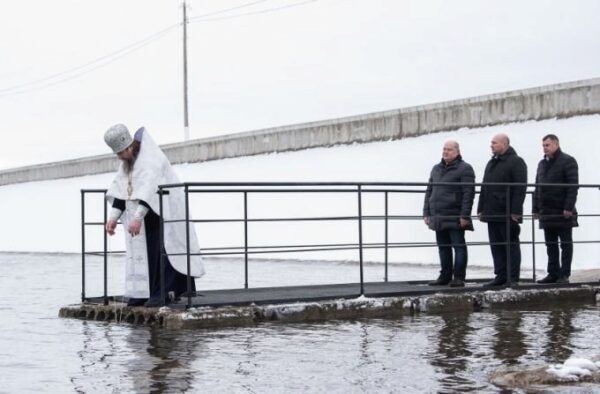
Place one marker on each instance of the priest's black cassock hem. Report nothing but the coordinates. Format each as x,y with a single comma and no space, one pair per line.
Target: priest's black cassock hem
175,281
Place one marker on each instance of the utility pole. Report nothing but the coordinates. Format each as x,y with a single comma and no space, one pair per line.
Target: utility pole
186,124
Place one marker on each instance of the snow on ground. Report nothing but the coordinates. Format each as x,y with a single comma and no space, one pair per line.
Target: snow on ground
45,216
573,369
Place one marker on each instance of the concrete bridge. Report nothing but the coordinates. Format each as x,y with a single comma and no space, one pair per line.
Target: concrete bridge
552,101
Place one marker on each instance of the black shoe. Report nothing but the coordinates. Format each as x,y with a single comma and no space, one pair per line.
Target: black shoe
563,280
439,282
495,282
154,302
136,301
457,283
548,279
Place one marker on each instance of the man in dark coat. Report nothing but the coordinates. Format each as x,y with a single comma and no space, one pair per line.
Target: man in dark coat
555,207
447,211
502,208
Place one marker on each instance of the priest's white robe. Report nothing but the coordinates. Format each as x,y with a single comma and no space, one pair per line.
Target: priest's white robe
152,168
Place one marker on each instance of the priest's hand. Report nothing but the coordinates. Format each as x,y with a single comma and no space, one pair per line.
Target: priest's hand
110,226
134,227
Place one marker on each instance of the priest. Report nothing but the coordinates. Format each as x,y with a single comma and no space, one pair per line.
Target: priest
134,198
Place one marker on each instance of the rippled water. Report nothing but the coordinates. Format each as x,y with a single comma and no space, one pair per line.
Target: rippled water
424,353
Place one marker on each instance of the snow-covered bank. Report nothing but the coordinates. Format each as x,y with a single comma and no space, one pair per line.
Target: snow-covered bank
45,216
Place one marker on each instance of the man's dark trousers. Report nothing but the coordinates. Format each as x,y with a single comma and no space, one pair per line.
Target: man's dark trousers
446,240
555,269
497,235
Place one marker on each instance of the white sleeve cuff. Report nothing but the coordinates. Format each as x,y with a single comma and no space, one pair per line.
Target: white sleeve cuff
115,214
140,212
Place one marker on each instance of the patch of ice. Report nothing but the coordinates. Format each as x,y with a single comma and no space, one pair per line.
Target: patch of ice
581,363
573,369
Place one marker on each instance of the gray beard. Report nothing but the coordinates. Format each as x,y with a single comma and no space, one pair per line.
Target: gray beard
129,165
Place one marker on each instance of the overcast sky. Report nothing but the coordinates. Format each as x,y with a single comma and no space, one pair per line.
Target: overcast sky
63,81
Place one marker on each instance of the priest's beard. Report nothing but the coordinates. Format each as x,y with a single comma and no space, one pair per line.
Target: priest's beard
130,162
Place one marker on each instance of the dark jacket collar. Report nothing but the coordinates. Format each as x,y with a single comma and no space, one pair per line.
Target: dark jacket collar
509,152
556,155
452,163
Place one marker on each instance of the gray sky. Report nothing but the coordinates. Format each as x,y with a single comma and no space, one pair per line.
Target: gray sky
321,59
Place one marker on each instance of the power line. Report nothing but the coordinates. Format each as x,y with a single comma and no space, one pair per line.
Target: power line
18,89
203,18
229,9
106,62
107,59
115,53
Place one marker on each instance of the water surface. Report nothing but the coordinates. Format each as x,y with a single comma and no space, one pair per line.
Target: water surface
423,353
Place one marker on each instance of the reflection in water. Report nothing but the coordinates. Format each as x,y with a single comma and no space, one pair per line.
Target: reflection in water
453,352
162,360
98,355
462,339
121,358
381,354
370,355
559,332
364,348
249,355
365,355
509,340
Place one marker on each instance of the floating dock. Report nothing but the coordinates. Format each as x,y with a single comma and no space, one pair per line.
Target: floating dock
248,307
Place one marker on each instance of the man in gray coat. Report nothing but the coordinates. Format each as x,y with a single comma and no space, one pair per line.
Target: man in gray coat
447,211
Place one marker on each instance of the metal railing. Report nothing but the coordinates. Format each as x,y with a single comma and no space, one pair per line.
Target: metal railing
359,189
104,252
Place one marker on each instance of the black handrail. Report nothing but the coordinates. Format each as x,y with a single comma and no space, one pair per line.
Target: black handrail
247,188
104,253
83,246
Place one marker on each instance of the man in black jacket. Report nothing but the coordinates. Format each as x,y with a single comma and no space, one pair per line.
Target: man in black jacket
501,207
554,206
447,211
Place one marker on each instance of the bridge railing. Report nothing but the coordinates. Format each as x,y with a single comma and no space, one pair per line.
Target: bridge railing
358,219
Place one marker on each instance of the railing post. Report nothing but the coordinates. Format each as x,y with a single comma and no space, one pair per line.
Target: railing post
245,240
508,235
360,241
161,240
187,247
105,250
386,237
82,246
533,245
